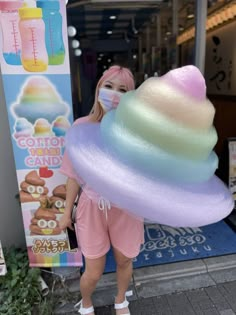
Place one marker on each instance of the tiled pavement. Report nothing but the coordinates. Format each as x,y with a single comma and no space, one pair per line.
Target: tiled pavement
214,300
199,287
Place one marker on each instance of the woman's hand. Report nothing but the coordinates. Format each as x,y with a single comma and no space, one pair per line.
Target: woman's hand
72,189
65,221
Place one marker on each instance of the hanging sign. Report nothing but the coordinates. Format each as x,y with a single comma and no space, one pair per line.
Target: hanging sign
221,60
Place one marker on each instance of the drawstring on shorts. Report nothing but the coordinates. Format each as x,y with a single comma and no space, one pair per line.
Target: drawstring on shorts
104,205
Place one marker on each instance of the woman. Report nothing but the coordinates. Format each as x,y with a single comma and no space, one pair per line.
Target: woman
100,225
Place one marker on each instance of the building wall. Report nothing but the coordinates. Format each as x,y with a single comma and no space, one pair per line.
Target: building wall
11,224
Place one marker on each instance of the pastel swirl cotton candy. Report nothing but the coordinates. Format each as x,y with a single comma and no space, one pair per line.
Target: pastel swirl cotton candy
152,157
172,122
181,96
42,128
155,138
60,126
39,99
23,128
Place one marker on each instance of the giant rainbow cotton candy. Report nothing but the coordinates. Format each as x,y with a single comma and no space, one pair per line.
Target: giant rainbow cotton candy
153,156
39,99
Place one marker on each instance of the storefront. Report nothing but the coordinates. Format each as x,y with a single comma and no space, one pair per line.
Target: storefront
220,79
100,35
155,53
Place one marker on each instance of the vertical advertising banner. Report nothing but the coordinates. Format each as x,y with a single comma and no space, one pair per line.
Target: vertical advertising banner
35,69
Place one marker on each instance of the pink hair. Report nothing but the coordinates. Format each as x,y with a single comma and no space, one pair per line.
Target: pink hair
124,74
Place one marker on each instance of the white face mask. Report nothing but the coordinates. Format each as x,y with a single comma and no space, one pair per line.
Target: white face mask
109,99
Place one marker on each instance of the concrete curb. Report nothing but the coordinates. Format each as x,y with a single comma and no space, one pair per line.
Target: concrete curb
165,279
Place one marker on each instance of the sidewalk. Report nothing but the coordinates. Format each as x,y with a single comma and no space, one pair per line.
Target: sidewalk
204,286
214,300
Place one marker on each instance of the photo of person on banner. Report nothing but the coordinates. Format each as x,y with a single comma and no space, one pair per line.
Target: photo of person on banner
100,225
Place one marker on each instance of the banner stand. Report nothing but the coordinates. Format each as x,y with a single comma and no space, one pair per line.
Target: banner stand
3,267
35,69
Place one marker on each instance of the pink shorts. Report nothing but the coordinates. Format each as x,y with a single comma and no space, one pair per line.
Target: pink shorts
99,229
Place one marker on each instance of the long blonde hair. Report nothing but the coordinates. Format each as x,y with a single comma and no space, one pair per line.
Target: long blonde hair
124,74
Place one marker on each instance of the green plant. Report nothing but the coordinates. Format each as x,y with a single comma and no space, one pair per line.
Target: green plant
47,305
19,288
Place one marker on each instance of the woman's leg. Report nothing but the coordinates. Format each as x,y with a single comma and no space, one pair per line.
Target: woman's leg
94,241
93,271
124,274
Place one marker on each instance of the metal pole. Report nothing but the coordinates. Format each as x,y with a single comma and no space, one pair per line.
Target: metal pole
175,29
200,34
140,53
158,30
148,40
148,50
158,42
